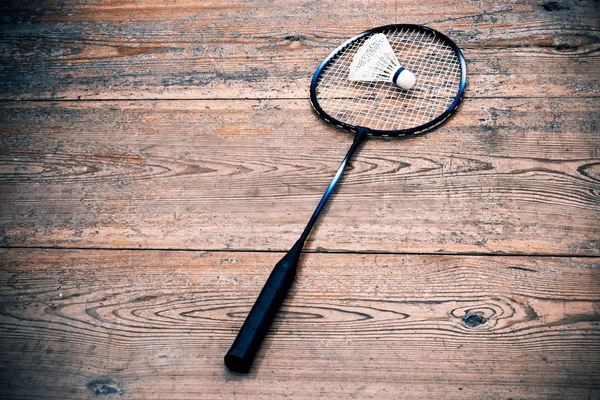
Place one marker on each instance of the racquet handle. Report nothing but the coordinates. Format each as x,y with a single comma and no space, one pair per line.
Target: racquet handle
240,355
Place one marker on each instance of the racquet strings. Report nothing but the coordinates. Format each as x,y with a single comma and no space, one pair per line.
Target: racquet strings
383,105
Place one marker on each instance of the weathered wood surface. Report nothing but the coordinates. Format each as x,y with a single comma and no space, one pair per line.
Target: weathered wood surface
155,324
231,49
504,175
196,134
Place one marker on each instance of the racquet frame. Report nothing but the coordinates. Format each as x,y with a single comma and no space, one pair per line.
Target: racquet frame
243,350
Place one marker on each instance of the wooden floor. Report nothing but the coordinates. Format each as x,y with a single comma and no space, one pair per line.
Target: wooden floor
157,158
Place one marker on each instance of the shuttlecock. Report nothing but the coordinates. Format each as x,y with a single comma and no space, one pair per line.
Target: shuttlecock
375,61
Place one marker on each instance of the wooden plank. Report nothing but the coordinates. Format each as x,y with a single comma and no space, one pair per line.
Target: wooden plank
514,176
186,49
155,324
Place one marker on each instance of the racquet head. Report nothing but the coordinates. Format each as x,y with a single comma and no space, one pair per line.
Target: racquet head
382,108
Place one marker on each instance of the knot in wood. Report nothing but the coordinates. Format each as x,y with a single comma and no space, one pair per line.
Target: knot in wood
472,320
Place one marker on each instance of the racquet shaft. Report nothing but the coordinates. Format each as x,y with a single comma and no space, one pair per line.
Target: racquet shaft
360,135
241,354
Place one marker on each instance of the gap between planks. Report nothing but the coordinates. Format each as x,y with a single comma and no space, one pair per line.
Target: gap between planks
307,251
141,99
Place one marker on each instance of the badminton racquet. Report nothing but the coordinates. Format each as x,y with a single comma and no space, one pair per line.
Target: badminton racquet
366,107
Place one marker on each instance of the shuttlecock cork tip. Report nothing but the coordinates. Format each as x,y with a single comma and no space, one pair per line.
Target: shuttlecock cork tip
404,79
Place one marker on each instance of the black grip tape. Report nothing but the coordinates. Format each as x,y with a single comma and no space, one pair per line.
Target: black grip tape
241,354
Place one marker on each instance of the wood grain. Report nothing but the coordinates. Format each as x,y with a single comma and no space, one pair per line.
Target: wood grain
502,176
462,264
155,324
261,49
